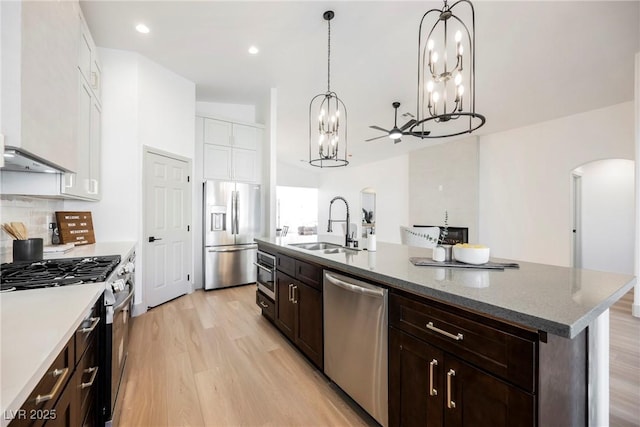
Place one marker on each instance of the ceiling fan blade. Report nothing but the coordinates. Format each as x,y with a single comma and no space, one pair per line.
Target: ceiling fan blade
377,137
379,128
408,124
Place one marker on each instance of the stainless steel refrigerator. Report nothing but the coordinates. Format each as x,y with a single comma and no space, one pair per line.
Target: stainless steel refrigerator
231,221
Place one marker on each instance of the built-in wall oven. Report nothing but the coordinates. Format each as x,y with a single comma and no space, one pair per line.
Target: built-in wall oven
119,293
266,274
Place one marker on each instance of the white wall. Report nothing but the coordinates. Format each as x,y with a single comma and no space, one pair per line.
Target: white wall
525,180
143,104
292,176
608,215
389,179
232,112
444,177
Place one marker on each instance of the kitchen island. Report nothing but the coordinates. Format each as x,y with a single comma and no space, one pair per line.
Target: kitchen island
544,319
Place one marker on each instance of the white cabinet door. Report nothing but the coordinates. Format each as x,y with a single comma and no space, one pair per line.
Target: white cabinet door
84,54
217,162
246,136
95,149
245,165
77,184
217,132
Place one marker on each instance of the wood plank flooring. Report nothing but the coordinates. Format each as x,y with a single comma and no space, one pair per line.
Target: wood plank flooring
211,359
624,364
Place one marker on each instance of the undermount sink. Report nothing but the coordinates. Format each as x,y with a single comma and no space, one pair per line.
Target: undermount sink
316,246
339,250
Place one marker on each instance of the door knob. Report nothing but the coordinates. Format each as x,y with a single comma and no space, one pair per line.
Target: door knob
153,239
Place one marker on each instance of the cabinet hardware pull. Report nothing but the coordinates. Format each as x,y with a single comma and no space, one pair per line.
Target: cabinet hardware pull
94,323
432,390
94,186
290,292
458,337
93,371
263,305
61,374
295,298
450,403
70,175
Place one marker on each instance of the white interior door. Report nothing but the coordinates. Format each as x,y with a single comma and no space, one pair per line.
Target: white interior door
167,213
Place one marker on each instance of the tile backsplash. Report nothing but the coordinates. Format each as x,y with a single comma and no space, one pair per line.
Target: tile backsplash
35,213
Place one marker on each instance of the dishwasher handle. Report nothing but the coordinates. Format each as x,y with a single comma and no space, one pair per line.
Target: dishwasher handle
351,287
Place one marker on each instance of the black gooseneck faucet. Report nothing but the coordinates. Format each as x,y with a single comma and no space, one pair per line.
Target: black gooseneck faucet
348,238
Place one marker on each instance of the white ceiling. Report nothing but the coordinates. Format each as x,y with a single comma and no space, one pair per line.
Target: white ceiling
535,61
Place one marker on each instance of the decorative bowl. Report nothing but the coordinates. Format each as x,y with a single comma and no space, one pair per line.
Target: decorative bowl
471,254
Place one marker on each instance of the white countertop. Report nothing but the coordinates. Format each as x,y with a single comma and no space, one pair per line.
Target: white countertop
36,325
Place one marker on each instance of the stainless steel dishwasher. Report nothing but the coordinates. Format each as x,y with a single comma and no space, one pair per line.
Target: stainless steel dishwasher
355,341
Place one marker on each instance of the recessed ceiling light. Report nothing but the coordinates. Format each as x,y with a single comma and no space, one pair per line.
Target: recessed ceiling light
253,50
141,28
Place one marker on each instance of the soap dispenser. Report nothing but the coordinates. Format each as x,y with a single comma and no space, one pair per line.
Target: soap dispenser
371,241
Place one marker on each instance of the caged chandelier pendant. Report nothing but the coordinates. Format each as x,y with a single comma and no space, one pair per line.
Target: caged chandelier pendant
328,121
446,73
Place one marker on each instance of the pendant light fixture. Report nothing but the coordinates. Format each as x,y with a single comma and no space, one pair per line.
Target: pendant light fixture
327,121
446,73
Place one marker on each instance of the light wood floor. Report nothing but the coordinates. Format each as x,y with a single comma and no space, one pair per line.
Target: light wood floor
624,364
209,358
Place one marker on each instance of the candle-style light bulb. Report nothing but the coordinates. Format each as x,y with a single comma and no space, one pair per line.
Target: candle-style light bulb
458,79
430,44
460,90
434,57
430,86
458,36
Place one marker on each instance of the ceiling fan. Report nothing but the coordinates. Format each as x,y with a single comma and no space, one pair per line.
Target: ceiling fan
395,133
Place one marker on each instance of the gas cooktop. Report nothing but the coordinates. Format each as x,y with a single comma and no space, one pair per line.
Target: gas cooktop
56,272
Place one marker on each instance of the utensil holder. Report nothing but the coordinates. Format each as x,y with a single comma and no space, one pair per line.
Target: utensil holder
27,250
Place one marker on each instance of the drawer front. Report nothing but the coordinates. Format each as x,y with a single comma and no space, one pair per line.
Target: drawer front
87,331
87,381
37,407
286,264
267,306
310,274
483,342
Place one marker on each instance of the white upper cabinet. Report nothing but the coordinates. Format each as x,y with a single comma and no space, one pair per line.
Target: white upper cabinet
217,132
39,59
85,181
231,151
56,59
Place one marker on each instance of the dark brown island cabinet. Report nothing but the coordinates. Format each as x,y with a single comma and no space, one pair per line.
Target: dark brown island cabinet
67,395
449,365
299,305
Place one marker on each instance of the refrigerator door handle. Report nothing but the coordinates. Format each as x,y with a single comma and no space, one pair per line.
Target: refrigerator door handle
233,249
235,212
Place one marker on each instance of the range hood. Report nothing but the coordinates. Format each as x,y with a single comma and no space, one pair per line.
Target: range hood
20,161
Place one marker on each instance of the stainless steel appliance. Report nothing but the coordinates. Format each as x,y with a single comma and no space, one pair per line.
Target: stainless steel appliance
118,300
231,221
355,341
266,273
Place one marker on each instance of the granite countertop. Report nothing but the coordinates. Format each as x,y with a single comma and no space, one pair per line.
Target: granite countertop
36,325
559,300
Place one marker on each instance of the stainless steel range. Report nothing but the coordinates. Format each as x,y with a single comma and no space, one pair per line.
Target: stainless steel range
118,277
